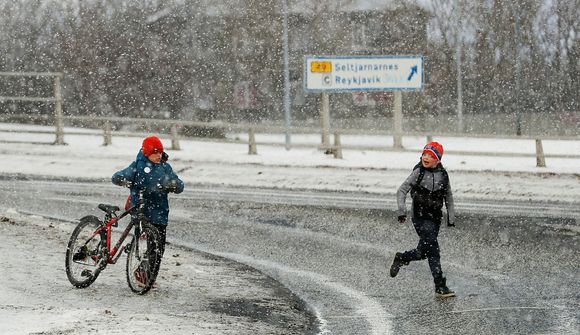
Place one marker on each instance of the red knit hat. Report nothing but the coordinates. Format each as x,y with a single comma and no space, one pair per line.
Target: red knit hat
434,149
151,145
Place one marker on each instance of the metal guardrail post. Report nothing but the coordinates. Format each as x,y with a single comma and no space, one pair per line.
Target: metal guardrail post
337,150
540,157
252,150
107,137
59,132
174,138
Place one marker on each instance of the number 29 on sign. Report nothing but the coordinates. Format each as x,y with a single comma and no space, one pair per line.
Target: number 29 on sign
321,67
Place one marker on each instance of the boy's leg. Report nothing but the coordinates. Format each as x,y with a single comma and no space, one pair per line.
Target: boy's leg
419,252
409,255
155,259
161,230
433,256
430,248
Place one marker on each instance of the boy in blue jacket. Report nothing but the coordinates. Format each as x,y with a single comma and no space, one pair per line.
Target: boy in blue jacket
151,172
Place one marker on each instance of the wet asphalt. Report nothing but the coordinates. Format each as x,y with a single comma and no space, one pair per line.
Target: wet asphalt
513,274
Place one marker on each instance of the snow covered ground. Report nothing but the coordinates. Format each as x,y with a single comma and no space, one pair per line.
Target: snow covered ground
197,294
201,162
46,304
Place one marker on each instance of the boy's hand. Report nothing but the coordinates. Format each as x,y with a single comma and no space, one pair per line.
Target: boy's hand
450,224
402,218
121,181
168,187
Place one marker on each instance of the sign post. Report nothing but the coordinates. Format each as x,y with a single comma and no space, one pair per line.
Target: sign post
338,74
398,121
325,120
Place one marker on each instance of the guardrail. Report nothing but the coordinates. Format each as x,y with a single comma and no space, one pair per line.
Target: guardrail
56,98
104,123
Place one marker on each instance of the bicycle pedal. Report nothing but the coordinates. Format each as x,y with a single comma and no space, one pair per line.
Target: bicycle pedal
80,254
86,273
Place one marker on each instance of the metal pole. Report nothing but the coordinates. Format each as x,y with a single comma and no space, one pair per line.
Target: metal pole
459,90
287,116
517,95
458,51
325,121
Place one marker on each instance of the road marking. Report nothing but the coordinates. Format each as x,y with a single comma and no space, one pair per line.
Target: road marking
494,309
378,319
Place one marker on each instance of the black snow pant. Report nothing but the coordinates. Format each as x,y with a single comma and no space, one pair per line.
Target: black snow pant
161,230
428,247
155,259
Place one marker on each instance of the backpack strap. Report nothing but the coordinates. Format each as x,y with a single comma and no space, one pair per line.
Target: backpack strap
128,201
132,179
421,173
445,178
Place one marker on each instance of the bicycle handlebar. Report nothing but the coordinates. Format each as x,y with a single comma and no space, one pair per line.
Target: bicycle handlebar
138,206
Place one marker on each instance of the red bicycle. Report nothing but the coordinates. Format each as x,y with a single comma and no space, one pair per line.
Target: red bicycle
89,248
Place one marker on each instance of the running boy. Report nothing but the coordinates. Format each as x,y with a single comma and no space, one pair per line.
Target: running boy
429,186
150,171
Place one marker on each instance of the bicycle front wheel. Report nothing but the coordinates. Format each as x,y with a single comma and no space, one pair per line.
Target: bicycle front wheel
86,255
144,258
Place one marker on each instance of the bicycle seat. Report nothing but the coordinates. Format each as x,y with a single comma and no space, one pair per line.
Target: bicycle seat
110,209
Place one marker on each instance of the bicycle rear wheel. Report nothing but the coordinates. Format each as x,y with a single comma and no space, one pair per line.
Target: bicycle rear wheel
86,255
144,258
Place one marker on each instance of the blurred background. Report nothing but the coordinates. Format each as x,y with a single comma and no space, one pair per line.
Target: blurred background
491,67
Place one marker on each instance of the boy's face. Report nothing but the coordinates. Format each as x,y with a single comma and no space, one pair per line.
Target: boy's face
428,161
155,157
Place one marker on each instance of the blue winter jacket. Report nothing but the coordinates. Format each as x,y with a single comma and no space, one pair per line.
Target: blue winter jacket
156,179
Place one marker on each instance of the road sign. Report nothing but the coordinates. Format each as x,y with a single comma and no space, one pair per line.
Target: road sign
362,73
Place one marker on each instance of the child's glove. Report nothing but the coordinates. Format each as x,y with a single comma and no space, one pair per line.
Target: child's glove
402,218
172,187
122,181
168,187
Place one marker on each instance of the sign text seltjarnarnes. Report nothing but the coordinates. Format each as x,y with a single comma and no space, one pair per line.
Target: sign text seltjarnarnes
362,73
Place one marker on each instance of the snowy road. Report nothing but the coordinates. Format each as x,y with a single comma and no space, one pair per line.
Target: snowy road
513,274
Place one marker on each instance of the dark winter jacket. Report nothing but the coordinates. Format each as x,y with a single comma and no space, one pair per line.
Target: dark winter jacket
156,179
428,192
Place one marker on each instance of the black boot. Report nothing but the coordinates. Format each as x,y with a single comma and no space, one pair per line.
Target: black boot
441,289
397,263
